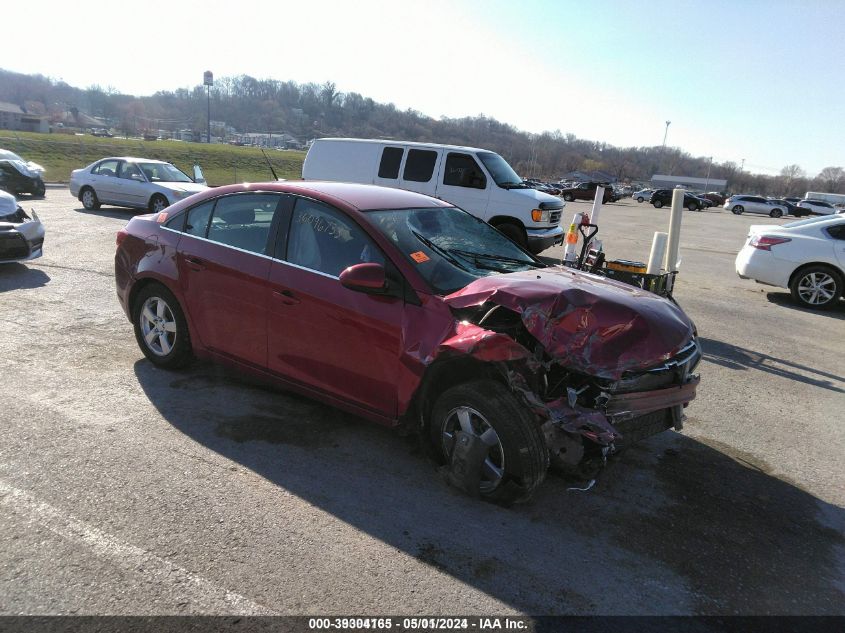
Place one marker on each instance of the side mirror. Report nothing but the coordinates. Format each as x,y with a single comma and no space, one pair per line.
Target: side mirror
368,278
198,177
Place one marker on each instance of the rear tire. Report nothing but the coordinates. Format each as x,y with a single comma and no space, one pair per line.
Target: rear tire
816,287
657,204
160,327
567,197
89,199
517,460
775,213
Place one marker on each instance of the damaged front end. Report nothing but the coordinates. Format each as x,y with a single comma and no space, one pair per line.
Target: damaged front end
21,236
602,365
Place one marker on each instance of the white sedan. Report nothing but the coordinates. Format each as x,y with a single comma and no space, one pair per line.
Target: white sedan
133,182
807,256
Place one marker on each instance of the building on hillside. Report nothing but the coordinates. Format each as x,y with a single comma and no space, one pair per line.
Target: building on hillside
588,176
660,181
14,117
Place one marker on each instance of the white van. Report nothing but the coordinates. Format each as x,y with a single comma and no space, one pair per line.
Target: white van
476,180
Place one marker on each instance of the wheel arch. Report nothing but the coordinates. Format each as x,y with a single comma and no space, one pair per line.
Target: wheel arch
836,269
498,220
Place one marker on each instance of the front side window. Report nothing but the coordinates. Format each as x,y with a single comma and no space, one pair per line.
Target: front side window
106,168
419,166
462,171
324,239
130,172
391,158
244,221
449,247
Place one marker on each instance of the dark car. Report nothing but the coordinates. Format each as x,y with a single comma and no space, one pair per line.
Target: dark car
714,197
405,310
663,198
791,208
587,191
17,178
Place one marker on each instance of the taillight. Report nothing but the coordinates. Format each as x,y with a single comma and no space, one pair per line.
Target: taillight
765,242
122,234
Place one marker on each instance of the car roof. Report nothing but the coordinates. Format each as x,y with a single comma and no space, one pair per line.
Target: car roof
358,196
410,144
134,159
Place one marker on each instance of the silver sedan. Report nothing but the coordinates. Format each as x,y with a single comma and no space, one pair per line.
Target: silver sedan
133,182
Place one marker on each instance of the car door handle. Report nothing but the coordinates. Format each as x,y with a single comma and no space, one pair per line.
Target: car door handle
195,263
287,297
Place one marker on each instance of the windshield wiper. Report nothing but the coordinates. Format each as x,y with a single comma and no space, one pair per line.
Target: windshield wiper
512,185
443,253
497,258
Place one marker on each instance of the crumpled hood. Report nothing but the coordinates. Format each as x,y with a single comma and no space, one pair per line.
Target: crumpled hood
588,323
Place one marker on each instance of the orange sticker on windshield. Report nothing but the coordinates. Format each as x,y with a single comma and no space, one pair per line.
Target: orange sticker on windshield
420,257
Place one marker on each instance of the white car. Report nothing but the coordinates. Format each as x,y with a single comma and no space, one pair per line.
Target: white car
754,204
21,236
807,256
644,195
133,182
819,207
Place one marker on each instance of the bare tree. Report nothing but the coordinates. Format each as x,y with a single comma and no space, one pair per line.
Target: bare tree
832,178
788,177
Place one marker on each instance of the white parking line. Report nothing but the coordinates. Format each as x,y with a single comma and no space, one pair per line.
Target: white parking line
201,593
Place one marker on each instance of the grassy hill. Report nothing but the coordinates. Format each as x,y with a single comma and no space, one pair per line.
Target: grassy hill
221,164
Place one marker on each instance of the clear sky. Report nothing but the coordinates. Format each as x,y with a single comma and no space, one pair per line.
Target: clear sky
760,80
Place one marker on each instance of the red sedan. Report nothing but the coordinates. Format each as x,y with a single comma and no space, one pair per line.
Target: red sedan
403,309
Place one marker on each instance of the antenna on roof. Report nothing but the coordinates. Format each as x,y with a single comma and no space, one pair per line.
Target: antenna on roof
269,164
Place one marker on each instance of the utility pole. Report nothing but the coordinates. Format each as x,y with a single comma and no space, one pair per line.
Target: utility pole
742,167
707,180
208,80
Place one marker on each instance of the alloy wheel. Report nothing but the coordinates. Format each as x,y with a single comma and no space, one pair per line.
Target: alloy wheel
817,288
158,326
471,421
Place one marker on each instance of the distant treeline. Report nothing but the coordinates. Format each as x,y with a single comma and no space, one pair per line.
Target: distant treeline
311,110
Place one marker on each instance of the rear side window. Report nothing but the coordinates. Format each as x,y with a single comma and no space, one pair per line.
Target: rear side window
419,167
106,168
197,223
244,221
837,232
462,171
391,158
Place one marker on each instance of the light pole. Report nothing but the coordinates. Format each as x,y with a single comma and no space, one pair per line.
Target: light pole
707,180
208,80
665,134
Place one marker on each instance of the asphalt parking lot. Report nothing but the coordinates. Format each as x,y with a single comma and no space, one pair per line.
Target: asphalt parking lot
125,489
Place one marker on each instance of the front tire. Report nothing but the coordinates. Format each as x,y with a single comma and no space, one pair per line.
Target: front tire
692,207
640,199
160,327
89,199
657,204
517,458
816,287
158,203
568,197
40,189
775,213
737,210
514,232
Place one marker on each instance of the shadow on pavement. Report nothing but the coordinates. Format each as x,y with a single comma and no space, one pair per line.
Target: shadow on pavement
118,213
785,299
672,525
739,358
19,276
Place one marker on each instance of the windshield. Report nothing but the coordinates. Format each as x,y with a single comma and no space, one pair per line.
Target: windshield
449,247
502,173
163,172
4,153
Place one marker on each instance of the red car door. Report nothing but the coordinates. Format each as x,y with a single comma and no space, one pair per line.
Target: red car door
224,269
339,341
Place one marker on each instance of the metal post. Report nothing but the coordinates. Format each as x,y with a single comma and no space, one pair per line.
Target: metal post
663,151
208,94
